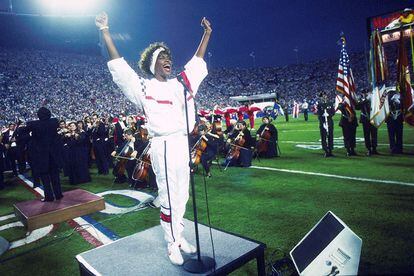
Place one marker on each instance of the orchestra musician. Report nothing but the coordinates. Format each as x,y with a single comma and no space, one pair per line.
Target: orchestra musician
163,102
142,146
120,126
213,140
241,145
2,157
126,154
100,134
267,139
77,155
9,141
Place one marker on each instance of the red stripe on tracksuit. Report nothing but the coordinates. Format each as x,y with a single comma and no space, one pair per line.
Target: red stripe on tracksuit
158,101
164,217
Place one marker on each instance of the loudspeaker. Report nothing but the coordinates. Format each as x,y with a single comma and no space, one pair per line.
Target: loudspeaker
329,248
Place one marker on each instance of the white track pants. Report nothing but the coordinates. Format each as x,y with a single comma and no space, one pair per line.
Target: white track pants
170,160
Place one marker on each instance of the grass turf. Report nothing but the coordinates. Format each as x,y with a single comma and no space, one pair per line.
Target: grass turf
274,207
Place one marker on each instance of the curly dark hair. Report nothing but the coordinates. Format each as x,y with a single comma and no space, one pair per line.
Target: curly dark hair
146,56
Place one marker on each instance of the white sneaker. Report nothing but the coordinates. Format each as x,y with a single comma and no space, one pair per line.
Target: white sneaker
186,247
175,255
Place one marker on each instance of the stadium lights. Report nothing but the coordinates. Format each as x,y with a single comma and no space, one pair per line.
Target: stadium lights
70,7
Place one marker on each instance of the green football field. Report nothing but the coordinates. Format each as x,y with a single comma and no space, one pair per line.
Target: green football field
276,201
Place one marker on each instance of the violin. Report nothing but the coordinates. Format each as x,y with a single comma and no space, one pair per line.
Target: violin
143,165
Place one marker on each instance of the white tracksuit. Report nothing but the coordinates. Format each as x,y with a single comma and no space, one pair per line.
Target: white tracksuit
163,104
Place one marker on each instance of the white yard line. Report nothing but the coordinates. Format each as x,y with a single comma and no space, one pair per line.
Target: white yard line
336,176
318,143
7,217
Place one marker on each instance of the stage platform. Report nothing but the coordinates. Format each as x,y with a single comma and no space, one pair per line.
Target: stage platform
36,214
145,253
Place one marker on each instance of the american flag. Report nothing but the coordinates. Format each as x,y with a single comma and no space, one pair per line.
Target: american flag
345,84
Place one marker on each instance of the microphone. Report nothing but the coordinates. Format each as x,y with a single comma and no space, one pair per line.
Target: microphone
182,81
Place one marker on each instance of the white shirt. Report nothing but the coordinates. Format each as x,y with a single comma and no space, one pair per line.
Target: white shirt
162,102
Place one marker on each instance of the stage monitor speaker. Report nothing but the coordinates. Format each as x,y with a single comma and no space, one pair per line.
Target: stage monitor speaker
329,248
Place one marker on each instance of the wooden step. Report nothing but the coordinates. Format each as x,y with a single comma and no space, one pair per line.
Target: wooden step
35,214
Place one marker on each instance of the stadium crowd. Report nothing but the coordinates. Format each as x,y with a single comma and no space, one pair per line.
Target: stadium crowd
73,85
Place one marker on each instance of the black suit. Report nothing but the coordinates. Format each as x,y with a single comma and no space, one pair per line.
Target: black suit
395,125
2,155
11,152
326,111
118,134
45,153
349,125
370,131
99,138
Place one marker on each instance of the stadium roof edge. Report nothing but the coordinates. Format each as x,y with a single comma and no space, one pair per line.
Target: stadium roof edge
265,96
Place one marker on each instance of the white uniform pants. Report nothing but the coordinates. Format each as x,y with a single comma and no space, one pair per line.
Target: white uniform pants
170,162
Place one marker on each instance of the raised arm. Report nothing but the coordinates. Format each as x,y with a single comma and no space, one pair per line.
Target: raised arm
101,21
201,50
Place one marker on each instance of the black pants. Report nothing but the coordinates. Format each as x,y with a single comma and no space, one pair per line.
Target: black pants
101,157
349,133
326,136
395,134
11,158
370,136
305,114
1,171
206,158
51,182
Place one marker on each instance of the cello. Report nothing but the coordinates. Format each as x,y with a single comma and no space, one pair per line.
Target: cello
198,149
122,157
235,147
264,140
143,165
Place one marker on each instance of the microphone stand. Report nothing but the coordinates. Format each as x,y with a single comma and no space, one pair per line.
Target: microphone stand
203,263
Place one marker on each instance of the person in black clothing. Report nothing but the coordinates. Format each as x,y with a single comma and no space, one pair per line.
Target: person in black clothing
326,111
212,140
99,138
22,139
395,123
305,108
349,124
46,153
286,110
120,126
141,144
76,141
267,139
2,159
9,141
242,133
127,155
370,131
